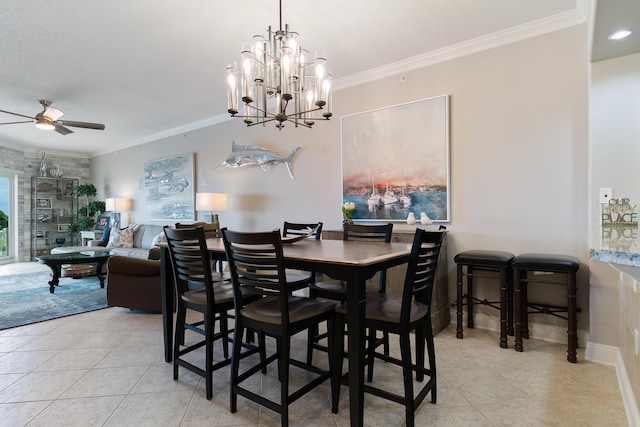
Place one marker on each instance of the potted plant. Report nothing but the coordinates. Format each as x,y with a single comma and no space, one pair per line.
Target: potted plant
88,209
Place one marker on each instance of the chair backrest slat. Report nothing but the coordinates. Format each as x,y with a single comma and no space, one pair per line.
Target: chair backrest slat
299,229
190,260
421,270
256,261
360,232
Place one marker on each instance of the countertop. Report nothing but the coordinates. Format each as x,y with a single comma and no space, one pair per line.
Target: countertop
616,245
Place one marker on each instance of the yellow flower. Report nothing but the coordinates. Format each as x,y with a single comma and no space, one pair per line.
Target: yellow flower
348,209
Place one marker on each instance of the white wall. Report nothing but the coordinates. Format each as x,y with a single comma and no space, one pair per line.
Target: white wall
518,153
615,129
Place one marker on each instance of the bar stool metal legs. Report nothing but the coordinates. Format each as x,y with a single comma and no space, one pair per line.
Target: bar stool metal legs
478,262
561,264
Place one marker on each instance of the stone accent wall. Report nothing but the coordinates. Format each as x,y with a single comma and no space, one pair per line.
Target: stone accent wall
27,164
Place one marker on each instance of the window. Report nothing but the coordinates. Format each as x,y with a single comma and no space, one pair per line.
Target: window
7,212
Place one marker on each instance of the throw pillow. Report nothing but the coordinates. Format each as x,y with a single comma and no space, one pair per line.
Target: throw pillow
120,238
158,239
105,237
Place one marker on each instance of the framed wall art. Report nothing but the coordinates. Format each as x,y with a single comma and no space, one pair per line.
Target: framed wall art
43,203
395,161
169,189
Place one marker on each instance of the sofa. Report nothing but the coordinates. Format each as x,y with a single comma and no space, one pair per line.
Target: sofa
133,270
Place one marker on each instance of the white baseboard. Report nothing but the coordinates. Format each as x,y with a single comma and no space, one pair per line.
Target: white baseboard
539,331
597,353
628,398
600,353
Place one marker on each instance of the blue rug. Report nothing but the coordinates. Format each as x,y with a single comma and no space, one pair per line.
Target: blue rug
25,298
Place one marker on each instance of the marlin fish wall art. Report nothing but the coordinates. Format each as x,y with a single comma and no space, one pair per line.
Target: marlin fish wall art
254,155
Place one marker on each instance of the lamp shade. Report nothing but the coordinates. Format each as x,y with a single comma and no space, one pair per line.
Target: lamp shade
211,202
115,204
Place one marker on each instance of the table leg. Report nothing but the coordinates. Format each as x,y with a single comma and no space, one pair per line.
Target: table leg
57,272
99,273
356,339
166,286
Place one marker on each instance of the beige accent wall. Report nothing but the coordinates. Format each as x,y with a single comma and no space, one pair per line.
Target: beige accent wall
519,154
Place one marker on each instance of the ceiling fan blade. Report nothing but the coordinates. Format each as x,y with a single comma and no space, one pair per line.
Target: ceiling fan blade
16,114
61,129
13,123
52,114
97,126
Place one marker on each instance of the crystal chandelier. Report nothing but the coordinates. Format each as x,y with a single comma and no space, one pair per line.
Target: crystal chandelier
278,81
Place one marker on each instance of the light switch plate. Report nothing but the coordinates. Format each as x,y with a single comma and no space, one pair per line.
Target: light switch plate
606,194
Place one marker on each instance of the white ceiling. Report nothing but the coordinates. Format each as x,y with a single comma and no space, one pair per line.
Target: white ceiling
154,68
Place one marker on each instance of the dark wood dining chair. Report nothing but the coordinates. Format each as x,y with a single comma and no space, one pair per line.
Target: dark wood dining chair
196,290
400,315
256,262
211,231
301,229
337,290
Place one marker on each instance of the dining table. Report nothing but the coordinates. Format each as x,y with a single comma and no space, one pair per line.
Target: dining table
352,262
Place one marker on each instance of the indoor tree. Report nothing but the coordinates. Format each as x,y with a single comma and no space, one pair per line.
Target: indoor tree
88,208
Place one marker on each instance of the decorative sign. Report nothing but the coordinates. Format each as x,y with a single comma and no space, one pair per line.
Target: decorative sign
619,212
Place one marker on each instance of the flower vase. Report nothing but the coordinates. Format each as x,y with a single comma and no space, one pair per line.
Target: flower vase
346,220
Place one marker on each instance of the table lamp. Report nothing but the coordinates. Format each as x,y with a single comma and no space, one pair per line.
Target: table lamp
211,202
116,205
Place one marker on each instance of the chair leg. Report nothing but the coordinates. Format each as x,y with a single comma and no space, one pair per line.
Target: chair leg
431,351
385,337
179,337
572,316
209,325
312,333
459,298
262,351
371,353
469,297
407,376
420,340
338,351
235,365
283,361
224,330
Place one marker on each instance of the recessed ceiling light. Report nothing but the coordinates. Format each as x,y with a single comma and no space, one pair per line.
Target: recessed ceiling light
619,35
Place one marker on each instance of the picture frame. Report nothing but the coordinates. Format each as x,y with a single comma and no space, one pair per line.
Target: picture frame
44,203
63,228
395,161
102,222
169,189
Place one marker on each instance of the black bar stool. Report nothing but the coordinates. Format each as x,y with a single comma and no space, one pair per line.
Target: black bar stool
564,265
478,262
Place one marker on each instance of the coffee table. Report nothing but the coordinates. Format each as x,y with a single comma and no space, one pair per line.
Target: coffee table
55,262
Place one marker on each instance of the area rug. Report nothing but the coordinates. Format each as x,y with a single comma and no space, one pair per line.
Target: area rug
25,298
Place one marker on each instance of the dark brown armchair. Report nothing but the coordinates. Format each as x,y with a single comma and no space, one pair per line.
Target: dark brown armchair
134,283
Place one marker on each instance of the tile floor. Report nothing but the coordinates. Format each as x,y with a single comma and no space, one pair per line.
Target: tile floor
107,368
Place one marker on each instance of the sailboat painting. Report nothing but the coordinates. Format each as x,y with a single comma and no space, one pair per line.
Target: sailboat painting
395,161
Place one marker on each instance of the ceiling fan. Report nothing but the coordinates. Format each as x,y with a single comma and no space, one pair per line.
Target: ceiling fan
49,117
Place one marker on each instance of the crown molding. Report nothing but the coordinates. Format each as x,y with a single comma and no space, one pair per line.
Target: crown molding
576,16
500,38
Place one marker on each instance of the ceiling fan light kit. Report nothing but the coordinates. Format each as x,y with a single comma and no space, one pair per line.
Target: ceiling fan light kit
48,119
276,74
